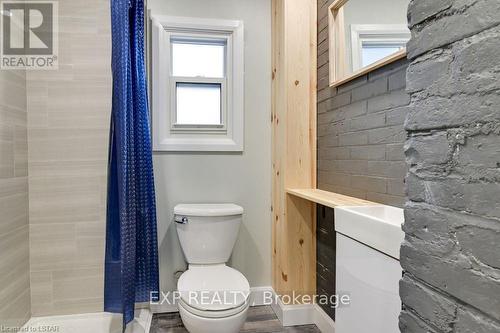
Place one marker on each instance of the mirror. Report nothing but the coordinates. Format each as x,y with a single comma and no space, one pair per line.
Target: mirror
364,35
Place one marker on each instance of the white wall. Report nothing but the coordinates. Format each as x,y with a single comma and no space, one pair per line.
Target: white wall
376,12
244,178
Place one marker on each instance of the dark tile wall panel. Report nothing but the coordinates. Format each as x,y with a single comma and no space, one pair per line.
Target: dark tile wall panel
326,245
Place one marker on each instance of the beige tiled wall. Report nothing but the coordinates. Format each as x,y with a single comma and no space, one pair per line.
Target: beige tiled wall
14,241
68,121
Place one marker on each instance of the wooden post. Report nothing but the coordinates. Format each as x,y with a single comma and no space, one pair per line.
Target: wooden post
294,144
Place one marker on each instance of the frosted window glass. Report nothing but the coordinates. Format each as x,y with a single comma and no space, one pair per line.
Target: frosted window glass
372,54
198,104
198,60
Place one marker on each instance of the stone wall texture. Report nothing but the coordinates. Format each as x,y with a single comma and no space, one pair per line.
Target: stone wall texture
451,253
360,128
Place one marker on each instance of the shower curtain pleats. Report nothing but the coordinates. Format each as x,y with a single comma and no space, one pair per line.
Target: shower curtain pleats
131,264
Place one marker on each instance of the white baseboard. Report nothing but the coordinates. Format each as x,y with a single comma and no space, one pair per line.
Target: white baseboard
141,322
164,308
294,315
303,314
322,320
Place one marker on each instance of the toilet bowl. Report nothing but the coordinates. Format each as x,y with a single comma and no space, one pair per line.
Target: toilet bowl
214,298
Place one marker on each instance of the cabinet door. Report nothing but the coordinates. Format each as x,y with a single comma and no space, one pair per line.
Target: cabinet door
371,279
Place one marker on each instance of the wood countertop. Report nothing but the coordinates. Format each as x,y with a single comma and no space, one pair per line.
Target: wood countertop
329,199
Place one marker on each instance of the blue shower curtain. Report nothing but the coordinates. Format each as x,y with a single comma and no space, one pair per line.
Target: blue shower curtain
131,264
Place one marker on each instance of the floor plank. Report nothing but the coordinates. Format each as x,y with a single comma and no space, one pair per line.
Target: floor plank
261,319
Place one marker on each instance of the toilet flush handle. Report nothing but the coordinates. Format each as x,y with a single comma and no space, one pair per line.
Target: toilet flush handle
181,219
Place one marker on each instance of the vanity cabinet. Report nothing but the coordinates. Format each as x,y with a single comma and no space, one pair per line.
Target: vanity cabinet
368,268
371,279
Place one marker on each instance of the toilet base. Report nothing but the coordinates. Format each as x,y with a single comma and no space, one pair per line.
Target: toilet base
197,324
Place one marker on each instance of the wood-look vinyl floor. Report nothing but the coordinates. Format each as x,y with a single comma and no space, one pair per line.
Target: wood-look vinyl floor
261,319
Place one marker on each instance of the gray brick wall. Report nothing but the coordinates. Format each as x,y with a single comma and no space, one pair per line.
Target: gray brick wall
360,129
451,253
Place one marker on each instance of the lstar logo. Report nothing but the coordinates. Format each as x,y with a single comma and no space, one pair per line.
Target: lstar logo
29,38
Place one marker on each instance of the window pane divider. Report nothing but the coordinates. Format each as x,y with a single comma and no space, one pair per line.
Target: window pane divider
197,79
175,127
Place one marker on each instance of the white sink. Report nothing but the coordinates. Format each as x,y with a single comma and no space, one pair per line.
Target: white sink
377,226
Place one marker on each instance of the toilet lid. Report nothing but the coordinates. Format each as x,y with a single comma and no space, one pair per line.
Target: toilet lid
213,288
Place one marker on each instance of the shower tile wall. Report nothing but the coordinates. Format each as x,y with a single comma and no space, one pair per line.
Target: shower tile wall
14,241
68,121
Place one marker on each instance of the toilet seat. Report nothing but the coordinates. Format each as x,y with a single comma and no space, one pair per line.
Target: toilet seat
213,314
213,291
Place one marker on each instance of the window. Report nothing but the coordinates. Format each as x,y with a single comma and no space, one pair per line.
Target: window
197,72
372,53
198,104
198,58
372,43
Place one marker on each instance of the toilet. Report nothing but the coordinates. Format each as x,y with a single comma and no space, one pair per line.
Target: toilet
214,298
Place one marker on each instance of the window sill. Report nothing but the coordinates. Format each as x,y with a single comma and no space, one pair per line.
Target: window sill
222,144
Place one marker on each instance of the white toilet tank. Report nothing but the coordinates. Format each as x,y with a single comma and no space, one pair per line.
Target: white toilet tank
207,232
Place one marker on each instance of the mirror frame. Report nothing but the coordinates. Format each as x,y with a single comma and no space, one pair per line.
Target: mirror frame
338,73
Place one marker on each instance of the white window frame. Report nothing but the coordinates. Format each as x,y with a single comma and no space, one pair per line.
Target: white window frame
167,134
385,34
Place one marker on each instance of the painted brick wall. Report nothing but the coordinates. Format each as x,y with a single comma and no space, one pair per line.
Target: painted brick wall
451,254
360,129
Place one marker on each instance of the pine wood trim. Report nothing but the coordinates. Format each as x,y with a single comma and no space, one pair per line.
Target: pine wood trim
329,199
294,85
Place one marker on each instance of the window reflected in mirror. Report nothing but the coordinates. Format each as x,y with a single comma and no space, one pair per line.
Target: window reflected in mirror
364,35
